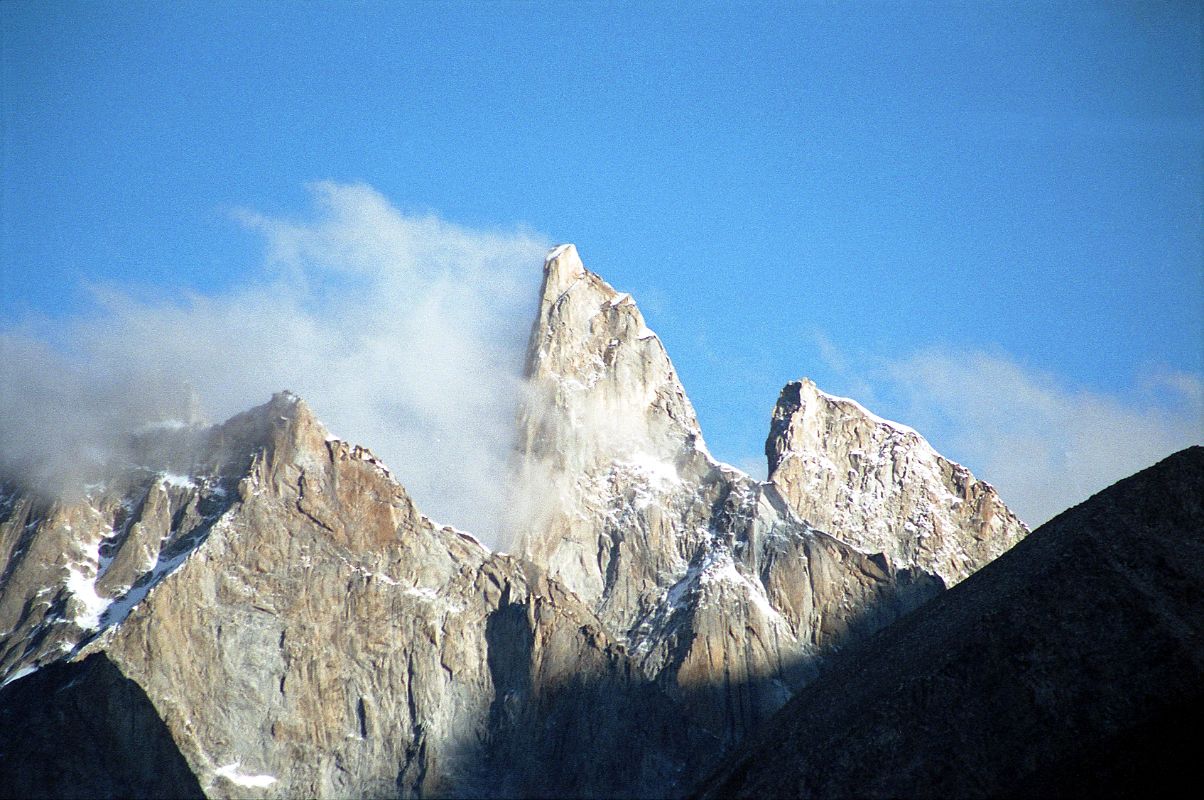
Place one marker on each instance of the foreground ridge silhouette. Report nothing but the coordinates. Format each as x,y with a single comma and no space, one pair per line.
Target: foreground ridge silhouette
1072,666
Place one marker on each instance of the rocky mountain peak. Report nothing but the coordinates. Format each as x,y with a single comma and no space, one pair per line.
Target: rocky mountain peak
679,555
606,432
561,268
798,406
881,487
600,380
300,628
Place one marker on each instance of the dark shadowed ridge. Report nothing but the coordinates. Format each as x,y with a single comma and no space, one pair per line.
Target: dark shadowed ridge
85,730
1071,666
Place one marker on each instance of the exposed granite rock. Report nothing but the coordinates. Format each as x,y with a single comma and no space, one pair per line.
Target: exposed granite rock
299,628
324,638
1071,666
608,440
881,487
728,599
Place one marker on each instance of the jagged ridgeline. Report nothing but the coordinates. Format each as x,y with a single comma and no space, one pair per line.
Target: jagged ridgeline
258,609
1072,666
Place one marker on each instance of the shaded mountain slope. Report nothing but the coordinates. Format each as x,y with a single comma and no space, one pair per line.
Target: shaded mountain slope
82,729
1071,665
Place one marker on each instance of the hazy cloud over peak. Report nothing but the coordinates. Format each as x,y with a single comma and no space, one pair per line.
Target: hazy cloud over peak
404,333
1045,445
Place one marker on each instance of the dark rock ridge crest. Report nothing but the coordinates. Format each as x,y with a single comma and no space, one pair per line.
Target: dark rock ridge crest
1072,666
273,612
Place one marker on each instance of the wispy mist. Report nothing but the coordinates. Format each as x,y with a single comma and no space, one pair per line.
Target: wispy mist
1045,445
404,333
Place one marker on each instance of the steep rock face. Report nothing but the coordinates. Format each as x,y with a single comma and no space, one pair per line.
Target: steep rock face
609,440
881,487
1071,666
727,598
71,568
324,638
299,628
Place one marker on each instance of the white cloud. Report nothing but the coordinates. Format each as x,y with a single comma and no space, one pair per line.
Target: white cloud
404,333
1044,445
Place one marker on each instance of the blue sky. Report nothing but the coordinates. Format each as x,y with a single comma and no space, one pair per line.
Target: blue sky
984,219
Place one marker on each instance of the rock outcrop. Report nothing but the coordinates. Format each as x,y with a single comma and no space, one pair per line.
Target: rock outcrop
275,614
726,596
880,486
1072,666
321,637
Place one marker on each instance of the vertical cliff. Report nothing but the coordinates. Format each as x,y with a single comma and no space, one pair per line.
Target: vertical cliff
728,598
880,486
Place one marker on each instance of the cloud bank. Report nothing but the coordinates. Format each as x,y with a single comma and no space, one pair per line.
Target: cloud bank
405,333
1044,446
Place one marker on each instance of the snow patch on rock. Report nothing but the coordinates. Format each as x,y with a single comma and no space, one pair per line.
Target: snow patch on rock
230,772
